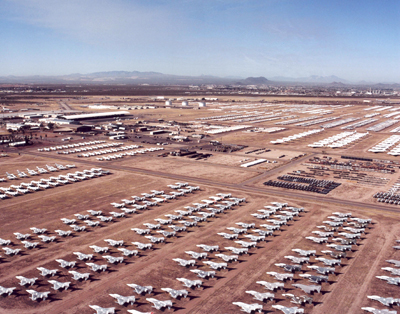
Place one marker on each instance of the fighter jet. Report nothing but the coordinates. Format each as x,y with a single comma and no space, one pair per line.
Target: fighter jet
7,291
99,249
393,261
26,281
305,252
9,251
316,279
249,308
308,288
78,276
185,263
341,248
288,310
38,295
141,231
152,226
271,285
228,258
385,301
228,236
63,233
38,230
255,238
329,262
78,228
236,250
5,242
68,221
140,289
390,280
167,234
142,246
46,238
237,230
246,225
261,296
47,272
29,245
322,270
291,268
121,300
208,248
216,266
203,274
113,259
103,310
160,304
280,276
303,299
298,260
96,267
196,255
376,311
59,285
65,264
176,293
318,240
190,283
323,234
82,256
127,252
263,232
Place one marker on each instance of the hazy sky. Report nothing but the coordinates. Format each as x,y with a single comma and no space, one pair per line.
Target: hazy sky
352,39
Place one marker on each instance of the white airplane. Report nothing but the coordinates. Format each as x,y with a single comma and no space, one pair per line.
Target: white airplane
376,311
393,261
9,251
63,233
66,264
59,285
228,236
287,267
113,259
96,267
385,301
228,258
160,304
152,226
196,255
322,270
121,300
280,276
167,234
237,230
190,283
308,288
47,272
82,256
298,260
142,246
46,238
208,248
261,296
38,230
141,289
177,228
105,219
313,278
78,228
78,276
127,252
271,285
329,262
117,215
246,244
94,212
7,291
38,295
68,221
29,245
238,251
176,293
249,308
390,280
103,310
81,217
216,266
393,271
26,281
288,310
318,240
203,274
155,239
303,299
114,242
185,263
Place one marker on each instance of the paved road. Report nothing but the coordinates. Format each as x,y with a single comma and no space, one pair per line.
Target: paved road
288,194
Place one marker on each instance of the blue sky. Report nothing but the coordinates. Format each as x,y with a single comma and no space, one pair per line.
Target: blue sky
355,40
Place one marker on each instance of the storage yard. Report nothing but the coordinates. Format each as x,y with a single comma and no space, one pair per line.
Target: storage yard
252,204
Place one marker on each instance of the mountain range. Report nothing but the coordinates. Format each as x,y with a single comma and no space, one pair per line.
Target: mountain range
136,77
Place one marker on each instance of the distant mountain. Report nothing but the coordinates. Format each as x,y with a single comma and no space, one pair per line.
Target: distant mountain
118,77
310,79
255,81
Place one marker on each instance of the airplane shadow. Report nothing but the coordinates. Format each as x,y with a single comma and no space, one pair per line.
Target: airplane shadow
192,297
176,308
53,299
316,303
229,268
325,292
